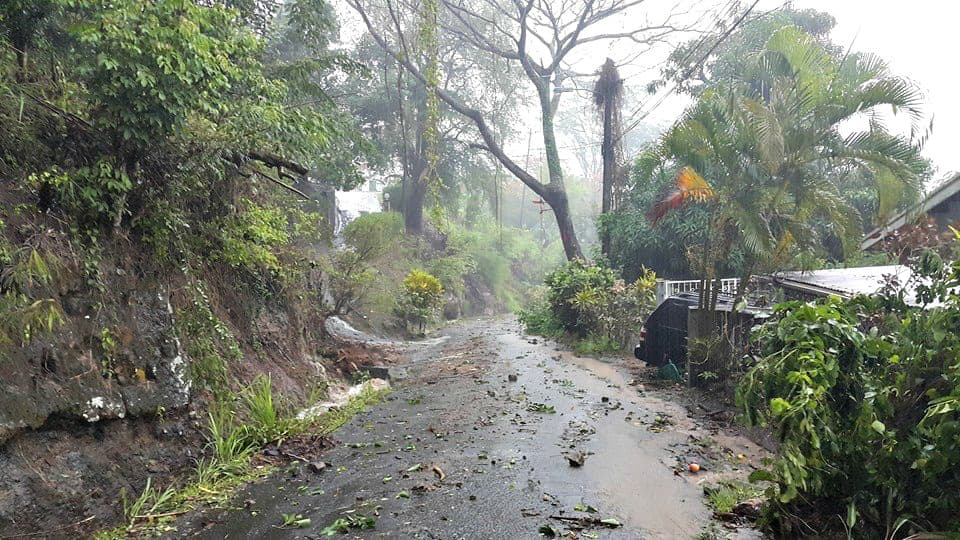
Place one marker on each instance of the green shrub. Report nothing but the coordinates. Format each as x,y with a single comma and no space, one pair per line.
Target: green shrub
349,277
373,235
538,319
588,299
421,299
578,277
350,274
28,305
864,400
251,238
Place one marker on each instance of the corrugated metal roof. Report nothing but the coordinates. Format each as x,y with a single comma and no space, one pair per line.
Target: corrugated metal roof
844,282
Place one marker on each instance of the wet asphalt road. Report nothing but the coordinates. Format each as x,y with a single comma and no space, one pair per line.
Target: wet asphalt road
500,445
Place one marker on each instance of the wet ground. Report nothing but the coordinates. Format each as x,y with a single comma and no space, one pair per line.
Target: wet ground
475,442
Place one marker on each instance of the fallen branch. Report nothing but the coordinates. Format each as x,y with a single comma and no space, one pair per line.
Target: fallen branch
587,521
151,517
288,187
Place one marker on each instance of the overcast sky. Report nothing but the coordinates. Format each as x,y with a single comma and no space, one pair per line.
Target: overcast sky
918,39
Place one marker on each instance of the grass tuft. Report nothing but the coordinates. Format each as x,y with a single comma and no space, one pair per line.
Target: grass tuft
229,466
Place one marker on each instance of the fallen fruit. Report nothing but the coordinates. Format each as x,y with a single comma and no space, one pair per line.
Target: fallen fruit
694,467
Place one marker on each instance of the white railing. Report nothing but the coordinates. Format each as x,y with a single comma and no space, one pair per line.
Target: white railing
667,288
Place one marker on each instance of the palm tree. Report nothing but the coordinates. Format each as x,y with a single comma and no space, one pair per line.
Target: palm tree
608,100
769,147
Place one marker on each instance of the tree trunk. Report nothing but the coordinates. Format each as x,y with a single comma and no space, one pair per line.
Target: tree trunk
413,206
415,169
609,172
554,193
557,199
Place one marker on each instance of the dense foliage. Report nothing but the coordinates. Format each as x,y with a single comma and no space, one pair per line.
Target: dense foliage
588,300
787,181
864,400
578,278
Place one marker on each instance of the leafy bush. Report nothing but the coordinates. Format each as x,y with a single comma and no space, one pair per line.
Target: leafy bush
349,271
348,280
864,399
373,235
251,238
28,305
90,196
616,313
587,299
538,319
578,277
421,299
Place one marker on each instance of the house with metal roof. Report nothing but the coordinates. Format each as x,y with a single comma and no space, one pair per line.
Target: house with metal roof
942,205
843,282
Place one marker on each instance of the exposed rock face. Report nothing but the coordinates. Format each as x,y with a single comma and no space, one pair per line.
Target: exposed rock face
73,375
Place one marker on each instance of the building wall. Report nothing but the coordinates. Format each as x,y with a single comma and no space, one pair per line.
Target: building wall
947,213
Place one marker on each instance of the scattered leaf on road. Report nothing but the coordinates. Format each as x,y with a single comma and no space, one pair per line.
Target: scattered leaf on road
548,531
575,458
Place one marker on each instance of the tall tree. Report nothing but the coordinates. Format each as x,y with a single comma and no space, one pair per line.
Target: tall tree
392,108
539,36
760,151
608,99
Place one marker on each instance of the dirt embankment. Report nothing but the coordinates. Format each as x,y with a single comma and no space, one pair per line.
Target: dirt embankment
109,399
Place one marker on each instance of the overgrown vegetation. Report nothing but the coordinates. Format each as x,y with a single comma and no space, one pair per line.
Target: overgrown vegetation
478,269
233,438
28,306
863,397
587,300
758,174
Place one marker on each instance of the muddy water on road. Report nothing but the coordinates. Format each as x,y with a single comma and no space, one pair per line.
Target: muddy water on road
501,450
627,472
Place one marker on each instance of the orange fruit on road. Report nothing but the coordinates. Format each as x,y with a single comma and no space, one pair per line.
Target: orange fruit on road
694,467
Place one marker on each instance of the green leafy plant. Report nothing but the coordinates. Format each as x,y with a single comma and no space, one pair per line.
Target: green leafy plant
577,279
148,504
208,342
88,195
267,421
109,346
421,299
295,521
252,237
28,305
588,300
344,524
864,400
